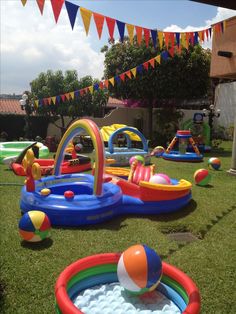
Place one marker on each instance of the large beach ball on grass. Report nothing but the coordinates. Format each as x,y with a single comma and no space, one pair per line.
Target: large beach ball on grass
214,163
139,269
34,226
160,178
202,177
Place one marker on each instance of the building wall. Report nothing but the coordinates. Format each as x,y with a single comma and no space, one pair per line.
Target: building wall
222,67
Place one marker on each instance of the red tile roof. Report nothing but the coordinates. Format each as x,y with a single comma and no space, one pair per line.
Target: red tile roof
10,106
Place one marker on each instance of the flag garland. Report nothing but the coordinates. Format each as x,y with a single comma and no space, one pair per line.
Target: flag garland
168,39
105,84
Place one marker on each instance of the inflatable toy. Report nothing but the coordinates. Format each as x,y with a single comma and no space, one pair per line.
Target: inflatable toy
158,151
100,197
34,226
102,269
139,269
160,178
202,177
137,158
122,155
182,137
76,163
214,163
9,151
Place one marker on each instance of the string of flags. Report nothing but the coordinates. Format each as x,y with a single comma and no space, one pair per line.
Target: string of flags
167,39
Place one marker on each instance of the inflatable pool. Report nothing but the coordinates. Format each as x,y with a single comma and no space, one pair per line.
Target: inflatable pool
102,268
187,157
122,155
95,198
10,150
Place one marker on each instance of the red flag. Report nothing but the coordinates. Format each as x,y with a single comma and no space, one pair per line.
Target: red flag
101,85
167,38
172,39
99,21
63,97
45,101
41,5
111,26
191,34
172,51
187,40
122,76
139,34
106,83
128,74
56,7
146,32
207,34
152,62
145,65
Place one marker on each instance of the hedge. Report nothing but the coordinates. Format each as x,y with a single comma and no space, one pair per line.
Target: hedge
14,125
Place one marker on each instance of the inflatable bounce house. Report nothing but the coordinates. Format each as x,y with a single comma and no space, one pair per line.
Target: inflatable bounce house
200,132
182,137
122,155
80,199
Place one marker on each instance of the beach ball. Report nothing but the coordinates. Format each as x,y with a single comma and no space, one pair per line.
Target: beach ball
158,151
214,163
160,178
78,147
137,158
202,177
34,226
139,269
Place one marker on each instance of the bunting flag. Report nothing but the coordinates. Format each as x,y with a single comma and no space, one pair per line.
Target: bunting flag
158,59
91,89
24,2
112,81
121,29
128,74
152,62
160,38
130,30
72,10
106,83
99,21
56,7
146,33
101,85
54,99
36,103
139,34
134,72
122,77
41,5
154,37
111,26
67,95
86,17
72,95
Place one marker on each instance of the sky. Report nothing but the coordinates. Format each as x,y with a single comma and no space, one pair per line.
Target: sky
32,43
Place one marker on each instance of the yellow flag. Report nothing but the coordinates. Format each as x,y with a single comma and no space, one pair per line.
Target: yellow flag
134,71
36,103
23,2
183,40
160,38
158,59
112,81
86,17
130,29
91,89
54,100
72,95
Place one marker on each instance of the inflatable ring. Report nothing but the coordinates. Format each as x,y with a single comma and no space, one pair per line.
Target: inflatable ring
102,268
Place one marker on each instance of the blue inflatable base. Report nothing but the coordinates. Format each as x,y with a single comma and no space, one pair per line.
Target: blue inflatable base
187,157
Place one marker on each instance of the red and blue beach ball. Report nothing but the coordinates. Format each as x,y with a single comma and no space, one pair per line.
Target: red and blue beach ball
214,163
202,177
139,269
34,226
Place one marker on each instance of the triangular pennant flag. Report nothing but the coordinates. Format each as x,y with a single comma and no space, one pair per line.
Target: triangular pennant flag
201,35
160,38
172,51
195,38
117,79
72,10
158,59
134,71
36,103
101,85
99,21
56,7
41,5
146,33
49,100
106,84
76,94
145,65
112,81
186,40
128,74
167,38
24,2
209,31
207,34
45,101
139,34
152,62
58,98
72,95
122,77
154,37
121,29
86,17
96,86
111,26
54,99
91,89
191,38
63,97
139,68
67,95
172,41
82,92
130,30
165,55
177,37
40,102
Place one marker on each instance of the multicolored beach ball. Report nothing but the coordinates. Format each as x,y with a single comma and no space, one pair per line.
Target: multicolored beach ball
202,177
160,178
34,226
139,269
214,163
138,158
158,151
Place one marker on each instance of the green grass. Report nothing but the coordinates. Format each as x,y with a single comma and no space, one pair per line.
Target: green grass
29,271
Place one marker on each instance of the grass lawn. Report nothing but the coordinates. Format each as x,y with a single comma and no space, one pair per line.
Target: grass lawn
29,272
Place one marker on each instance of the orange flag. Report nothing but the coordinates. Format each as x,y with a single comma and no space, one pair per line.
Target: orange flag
201,35
186,40
139,34
67,95
99,21
106,84
152,62
41,5
160,38
128,74
167,38
24,2
86,17
130,29
101,85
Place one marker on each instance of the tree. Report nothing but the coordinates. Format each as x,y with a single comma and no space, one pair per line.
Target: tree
55,83
185,76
